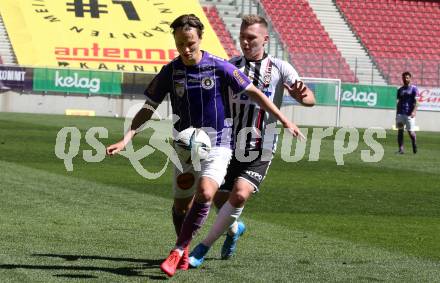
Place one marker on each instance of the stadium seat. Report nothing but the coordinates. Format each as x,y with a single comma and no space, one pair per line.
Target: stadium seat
397,45
305,37
221,31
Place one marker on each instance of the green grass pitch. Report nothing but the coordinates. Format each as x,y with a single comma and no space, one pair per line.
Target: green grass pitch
311,222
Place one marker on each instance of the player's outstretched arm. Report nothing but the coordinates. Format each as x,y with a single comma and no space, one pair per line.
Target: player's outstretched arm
268,105
139,119
301,93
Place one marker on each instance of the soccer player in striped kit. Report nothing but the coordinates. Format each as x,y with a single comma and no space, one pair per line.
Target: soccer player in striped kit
244,174
198,84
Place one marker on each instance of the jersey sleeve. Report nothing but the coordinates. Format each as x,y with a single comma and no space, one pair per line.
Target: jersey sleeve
416,91
416,95
398,94
236,80
159,87
288,73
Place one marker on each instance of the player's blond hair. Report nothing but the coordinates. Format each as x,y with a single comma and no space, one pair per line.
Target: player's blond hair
249,20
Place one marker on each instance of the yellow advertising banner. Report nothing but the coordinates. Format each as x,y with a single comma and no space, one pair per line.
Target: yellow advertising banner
124,35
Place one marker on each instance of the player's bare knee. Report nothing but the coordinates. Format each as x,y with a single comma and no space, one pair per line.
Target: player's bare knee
206,190
241,193
242,189
237,199
204,196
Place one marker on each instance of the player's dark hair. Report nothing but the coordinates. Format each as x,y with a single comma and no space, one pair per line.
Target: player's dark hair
404,74
186,22
249,20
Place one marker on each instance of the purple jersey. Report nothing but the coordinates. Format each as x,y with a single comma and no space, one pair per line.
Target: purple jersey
198,93
407,99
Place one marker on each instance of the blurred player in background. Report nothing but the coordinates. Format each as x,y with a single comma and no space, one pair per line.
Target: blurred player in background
271,76
197,82
406,111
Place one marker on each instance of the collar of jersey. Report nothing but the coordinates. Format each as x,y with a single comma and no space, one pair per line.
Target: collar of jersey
204,53
264,57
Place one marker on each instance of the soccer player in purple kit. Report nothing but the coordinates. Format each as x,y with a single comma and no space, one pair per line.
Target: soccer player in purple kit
406,108
198,84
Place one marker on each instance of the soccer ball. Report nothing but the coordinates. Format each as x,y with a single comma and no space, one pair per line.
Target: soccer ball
192,144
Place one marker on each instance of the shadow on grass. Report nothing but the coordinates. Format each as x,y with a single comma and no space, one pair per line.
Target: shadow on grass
135,271
149,262
76,276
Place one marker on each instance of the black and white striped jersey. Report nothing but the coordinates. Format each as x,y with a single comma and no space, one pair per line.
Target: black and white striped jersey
268,74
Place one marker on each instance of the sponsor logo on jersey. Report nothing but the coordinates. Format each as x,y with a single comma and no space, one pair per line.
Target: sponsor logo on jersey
268,75
179,72
206,68
195,81
207,83
238,77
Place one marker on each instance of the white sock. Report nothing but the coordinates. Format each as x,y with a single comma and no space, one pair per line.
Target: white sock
179,250
226,216
233,229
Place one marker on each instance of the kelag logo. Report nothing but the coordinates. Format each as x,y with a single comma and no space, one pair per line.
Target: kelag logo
77,81
354,95
74,81
363,98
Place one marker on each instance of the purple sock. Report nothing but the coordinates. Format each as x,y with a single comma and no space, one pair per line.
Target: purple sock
400,139
177,220
192,223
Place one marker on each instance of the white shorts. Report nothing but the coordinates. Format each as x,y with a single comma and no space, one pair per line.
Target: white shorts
185,183
407,121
